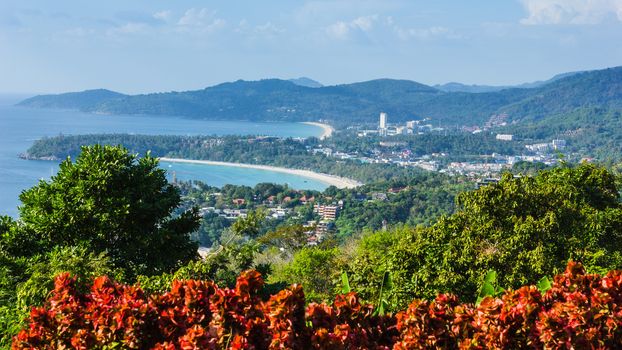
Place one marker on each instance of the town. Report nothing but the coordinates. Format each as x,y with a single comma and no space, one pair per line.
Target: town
392,148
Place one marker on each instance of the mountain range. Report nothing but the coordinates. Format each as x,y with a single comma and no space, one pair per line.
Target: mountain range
459,87
305,100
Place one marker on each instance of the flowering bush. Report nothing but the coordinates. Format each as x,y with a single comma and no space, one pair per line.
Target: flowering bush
579,312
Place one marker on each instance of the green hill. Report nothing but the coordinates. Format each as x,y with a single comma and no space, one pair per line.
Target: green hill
281,100
84,100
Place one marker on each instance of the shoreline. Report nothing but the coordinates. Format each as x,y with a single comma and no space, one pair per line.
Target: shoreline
331,180
327,130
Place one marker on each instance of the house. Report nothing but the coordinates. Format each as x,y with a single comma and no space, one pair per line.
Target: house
379,196
305,200
271,200
239,201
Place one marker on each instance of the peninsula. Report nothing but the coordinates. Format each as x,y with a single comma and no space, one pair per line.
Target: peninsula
327,130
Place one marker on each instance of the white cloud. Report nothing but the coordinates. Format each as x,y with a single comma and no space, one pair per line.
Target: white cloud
425,33
339,30
196,17
201,20
343,30
268,29
128,28
570,11
376,26
163,16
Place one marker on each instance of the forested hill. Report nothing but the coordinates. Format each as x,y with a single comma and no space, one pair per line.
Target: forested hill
275,99
84,100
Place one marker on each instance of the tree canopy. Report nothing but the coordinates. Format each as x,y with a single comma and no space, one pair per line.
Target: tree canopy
524,228
111,201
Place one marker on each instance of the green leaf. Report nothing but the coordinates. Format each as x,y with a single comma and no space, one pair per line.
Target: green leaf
388,281
544,284
381,308
491,277
499,290
345,283
487,290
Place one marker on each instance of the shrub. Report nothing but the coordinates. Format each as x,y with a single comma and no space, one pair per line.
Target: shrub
523,228
580,311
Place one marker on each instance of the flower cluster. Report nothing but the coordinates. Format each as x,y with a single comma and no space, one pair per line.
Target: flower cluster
580,311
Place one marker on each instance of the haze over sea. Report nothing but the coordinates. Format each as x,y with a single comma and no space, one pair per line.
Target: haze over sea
19,127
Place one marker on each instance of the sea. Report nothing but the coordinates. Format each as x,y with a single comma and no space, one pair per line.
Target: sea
20,127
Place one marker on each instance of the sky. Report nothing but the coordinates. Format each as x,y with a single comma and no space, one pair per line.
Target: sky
142,46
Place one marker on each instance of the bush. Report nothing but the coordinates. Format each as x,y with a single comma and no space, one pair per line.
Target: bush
580,311
523,228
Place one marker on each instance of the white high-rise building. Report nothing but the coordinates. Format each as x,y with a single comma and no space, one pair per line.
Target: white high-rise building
383,120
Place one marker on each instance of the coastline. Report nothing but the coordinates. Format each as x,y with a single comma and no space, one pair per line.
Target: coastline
331,180
327,130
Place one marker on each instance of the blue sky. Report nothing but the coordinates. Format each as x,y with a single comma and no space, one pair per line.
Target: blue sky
142,46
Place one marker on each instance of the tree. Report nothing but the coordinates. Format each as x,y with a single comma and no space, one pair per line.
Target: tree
524,228
114,202
314,269
288,239
250,226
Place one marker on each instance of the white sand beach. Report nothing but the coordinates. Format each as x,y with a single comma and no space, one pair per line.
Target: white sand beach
339,182
327,130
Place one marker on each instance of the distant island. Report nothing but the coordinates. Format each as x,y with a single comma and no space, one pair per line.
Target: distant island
344,105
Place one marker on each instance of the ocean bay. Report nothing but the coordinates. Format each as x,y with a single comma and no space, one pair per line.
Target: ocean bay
19,127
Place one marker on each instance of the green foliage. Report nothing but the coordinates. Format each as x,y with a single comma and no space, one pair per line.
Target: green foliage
314,269
544,284
25,282
489,287
111,201
250,225
589,131
287,153
345,283
11,321
523,228
222,264
279,100
41,270
288,239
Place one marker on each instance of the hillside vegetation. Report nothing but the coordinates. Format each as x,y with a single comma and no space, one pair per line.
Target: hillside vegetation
111,213
281,100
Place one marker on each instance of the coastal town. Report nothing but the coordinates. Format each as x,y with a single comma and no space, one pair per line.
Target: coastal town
393,150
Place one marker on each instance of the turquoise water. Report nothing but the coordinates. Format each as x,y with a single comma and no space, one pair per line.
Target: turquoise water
19,127
219,175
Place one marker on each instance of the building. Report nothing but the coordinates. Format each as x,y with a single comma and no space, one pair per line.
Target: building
539,147
383,121
486,181
505,137
327,212
558,144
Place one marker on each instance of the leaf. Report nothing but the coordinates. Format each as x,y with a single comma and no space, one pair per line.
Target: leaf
491,277
499,290
381,309
487,290
544,284
387,281
345,283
